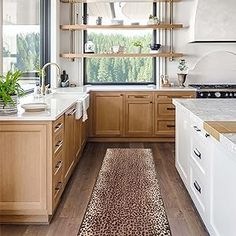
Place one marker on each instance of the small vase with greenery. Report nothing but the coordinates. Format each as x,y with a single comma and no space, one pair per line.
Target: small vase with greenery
10,90
153,20
138,45
183,71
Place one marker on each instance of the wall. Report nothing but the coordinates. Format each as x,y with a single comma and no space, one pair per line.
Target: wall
183,12
194,52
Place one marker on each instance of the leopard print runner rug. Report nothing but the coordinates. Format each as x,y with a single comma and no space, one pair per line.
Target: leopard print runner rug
126,199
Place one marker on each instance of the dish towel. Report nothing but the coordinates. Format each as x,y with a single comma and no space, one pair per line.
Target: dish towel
78,113
85,114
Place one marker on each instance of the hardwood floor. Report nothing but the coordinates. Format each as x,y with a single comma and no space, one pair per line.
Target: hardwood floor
182,216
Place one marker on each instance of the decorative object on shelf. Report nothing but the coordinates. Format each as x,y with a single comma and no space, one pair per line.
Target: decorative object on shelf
138,45
117,49
183,68
99,21
65,80
117,22
165,81
154,47
135,23
153,20
10,89
89,47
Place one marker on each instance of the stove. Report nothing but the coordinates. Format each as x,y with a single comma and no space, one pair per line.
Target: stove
215,90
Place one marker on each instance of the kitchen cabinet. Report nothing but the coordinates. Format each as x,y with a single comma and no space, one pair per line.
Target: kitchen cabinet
37,159
70,148
108,114
165,112
142,116
139,110
222,191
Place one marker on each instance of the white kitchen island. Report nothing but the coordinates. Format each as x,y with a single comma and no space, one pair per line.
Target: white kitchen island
206,160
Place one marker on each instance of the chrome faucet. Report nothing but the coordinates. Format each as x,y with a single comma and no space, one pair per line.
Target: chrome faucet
43,87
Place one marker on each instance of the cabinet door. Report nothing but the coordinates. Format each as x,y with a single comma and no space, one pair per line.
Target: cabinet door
139,118
183,152
108,114
223,191
69,143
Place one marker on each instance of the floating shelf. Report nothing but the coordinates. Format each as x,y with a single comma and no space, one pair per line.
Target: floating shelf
119,55
122,27
91,1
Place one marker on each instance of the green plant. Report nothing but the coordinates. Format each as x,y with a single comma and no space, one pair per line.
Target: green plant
138,44
9,86
182,65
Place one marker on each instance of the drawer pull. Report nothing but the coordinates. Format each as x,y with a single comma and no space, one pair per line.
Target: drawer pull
170,108
58,145
58,127
196,128
58,187
138,96
197,187
197,153
71,113
170,126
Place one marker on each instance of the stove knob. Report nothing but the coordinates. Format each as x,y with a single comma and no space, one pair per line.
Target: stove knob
234,94
201,94
218,94
208,94
231,95
226,95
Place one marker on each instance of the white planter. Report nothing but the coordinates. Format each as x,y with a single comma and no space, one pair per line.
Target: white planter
137,50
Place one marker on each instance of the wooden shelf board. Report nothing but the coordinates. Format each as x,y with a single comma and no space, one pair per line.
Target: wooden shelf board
119,55
91,1
123,27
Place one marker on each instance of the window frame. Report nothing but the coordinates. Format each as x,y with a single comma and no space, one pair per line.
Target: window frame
85,77
45,37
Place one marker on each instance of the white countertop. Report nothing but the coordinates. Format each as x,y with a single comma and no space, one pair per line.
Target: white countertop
213,110
147,88
57,105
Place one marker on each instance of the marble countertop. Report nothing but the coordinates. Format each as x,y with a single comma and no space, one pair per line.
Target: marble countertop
213,110
145,88
57,105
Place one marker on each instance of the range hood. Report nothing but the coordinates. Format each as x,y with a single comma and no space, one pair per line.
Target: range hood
213,21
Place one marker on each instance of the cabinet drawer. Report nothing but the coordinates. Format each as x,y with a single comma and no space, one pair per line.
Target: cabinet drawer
167,97
165,109
57,186
165,127
58,143
198,189
58,125
139,96
58,162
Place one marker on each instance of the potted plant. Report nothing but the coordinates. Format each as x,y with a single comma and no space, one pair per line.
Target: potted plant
10,89
138,45
183,68
153,20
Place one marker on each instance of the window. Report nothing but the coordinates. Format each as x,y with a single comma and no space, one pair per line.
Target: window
121,70
24,38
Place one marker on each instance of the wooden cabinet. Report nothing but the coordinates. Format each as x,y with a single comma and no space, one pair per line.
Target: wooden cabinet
70,148
134,115
139,115
107,114
165,112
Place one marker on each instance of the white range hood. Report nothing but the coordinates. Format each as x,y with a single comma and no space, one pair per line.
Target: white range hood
213,21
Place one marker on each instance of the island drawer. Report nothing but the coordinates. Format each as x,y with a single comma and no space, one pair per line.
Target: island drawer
58,143
58,162
58,125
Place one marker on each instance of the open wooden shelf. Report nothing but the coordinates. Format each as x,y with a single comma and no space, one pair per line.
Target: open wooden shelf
119,55
121,27
91,1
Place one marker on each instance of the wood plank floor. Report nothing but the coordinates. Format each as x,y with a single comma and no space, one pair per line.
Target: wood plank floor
183,218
